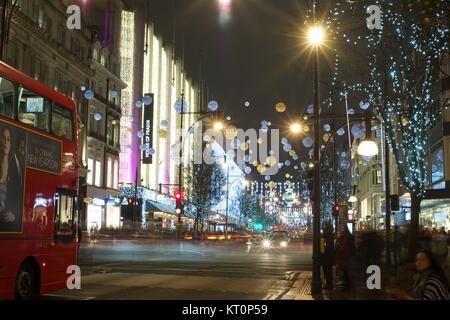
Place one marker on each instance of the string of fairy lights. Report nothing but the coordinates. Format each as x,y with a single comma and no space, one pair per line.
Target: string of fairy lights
403,62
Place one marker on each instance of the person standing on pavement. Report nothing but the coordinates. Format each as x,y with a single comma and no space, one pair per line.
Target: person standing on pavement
327,255
344,252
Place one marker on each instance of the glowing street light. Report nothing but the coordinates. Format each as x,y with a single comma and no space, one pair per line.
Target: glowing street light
368,148
218,126
353,199
296,128
316,35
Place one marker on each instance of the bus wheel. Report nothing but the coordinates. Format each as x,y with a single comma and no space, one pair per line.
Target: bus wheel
25,282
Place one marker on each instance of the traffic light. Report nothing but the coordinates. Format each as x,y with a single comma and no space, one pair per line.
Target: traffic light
179,200
336,210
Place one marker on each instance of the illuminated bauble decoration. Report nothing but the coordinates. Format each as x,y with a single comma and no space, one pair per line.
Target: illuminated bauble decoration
235,143
287,163
147,100
97,116
228,118
357,130
140,134
271,152
255,163
310,109
83,88
311,153
292,153
405,122
114,94
295,167
248,170
351,111
89,94
261,168
247,104
138,104
271,161
114,122
267,178
295,157
162,133
231,132
287,148
341,132
164,123
280,165
287,175
244,146
280,107
213,106
284,141
306,128
343,154
143,147
345,164
364,105
206,138
264,124
308,142
259,141
327,127
326,137
269,123
272,184
303,165
151,151
178,105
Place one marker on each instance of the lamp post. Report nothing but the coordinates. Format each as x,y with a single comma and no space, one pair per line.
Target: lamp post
316,35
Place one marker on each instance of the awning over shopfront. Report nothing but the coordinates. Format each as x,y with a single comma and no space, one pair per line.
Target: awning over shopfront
152,206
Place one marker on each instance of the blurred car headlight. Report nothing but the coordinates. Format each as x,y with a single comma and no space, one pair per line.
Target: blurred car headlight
266,244
283,244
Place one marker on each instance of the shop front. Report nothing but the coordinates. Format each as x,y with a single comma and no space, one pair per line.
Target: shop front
435,214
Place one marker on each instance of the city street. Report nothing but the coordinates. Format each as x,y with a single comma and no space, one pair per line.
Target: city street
146,269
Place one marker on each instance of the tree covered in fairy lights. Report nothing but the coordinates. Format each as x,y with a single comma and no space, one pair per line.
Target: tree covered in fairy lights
395,69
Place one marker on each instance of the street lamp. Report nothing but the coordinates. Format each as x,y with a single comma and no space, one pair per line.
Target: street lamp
368,147
218,126
316,36
296,128
353,199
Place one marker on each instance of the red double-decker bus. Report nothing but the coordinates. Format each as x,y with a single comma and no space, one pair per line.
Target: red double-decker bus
38,186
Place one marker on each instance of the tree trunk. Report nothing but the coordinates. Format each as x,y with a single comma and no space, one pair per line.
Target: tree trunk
414,226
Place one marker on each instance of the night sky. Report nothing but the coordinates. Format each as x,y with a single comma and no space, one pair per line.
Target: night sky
259,55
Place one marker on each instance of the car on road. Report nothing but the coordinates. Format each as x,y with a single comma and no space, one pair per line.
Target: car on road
277,239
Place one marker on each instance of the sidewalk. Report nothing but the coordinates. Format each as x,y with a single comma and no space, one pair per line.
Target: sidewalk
301,290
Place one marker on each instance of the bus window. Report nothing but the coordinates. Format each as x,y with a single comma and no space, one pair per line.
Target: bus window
34,110
64,215
6,97
62,123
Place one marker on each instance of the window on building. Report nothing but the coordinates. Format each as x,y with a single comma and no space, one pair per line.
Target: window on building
59,84
377,177
62,120
437,164
103,60
90,174
110,132
11,54
6,98
41,18
34,110
95,54
98,173
116,174
109,182
116,134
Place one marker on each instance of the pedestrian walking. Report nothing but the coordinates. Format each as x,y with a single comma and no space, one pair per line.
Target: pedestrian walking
345,250
327,255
